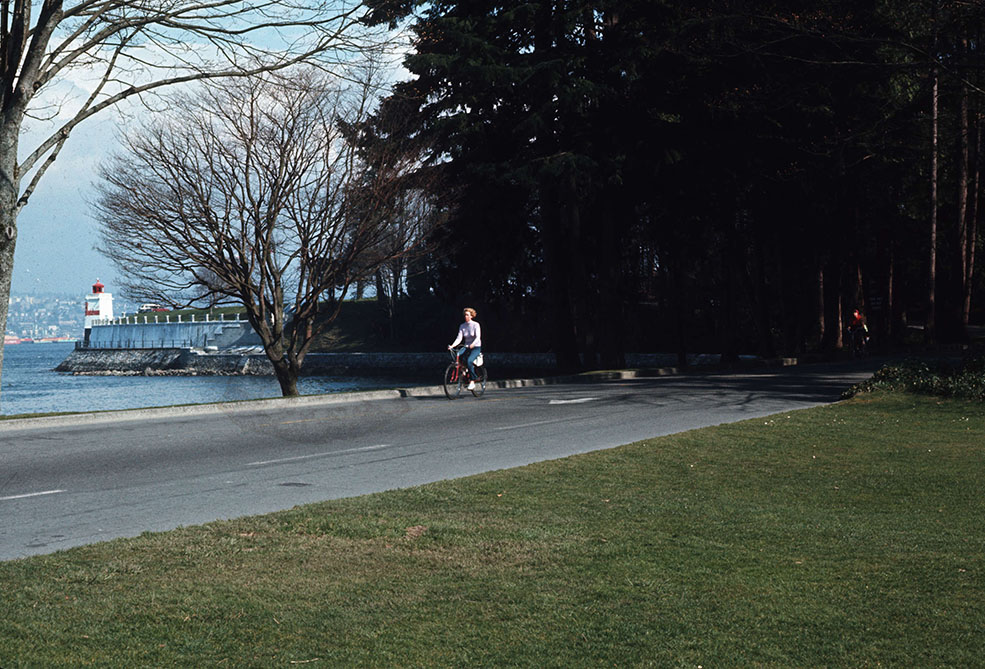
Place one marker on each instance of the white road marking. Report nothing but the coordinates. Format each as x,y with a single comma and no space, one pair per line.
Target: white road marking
294,422
540,422
577,401
316,455
31,494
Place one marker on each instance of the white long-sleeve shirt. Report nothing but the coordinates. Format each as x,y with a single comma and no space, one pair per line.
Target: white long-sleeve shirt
470,333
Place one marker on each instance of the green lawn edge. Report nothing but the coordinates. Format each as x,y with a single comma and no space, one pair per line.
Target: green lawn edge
846,535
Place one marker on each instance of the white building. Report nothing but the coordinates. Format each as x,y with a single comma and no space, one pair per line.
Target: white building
99,306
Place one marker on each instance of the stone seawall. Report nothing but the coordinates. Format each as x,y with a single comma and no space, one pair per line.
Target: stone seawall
145,331
176,361
196,361
192,361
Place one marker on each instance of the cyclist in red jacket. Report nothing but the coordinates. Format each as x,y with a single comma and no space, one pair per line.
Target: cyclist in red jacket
858,330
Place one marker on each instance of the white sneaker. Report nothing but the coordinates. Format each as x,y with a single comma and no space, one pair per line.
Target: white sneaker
471,385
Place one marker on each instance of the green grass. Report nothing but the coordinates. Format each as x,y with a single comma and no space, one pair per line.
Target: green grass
849,535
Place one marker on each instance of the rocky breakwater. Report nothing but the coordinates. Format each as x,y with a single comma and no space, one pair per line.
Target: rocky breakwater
162,362
121,361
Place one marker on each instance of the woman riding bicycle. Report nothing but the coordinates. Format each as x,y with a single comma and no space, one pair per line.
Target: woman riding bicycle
470,334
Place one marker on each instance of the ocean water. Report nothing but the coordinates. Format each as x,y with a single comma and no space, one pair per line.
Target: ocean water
29,385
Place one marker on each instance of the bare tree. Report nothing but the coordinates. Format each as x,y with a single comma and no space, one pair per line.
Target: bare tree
132,48
253,193
394,155
411,206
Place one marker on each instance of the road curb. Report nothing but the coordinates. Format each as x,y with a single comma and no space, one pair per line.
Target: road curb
272,404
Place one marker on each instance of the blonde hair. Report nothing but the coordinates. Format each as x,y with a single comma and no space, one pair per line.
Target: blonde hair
471,311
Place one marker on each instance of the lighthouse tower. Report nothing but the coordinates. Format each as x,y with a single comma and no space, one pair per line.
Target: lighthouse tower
99,306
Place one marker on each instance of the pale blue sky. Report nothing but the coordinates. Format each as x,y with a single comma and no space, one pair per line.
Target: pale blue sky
56,234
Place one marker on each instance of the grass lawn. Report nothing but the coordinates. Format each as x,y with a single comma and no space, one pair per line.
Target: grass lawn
850,535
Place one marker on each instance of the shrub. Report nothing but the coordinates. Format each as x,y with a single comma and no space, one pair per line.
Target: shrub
965,379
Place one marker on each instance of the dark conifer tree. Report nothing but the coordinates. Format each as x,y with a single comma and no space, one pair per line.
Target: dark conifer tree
720,174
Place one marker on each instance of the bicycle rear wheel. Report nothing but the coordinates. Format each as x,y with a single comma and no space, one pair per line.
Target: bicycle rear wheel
453,381
480,383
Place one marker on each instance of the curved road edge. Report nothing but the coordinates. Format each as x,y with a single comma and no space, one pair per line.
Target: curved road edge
246,406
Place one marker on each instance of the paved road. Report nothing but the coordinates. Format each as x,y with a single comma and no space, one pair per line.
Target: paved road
65,482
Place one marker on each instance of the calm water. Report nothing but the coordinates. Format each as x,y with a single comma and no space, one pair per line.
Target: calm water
29,385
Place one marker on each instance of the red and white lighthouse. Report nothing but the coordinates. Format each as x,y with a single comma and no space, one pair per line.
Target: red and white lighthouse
99,306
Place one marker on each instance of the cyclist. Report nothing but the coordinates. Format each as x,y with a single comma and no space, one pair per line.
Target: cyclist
470,333
859,331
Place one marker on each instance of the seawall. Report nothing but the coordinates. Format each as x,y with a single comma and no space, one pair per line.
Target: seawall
192,361
153,331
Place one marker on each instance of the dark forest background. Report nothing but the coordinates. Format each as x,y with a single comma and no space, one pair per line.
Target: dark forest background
720,176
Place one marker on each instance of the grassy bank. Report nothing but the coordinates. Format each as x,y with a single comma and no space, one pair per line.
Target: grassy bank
849,535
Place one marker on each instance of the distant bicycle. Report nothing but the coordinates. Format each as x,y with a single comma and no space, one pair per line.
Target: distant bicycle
858,340
457,377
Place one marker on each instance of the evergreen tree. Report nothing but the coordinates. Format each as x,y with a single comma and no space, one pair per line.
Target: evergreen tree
720,174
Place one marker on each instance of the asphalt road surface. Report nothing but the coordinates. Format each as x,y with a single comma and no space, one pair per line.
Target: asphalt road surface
68,482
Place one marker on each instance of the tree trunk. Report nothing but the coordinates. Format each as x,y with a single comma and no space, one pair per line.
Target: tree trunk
820,301
286,370
963,185
556,240
762,300
611,293
889,321
833,340
384,299
930,321
679,304
972,228
9,193
558,276
580,291
395,278
730,306
287,376
952,325
858,289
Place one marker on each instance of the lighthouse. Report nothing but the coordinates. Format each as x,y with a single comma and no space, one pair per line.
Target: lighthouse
99,306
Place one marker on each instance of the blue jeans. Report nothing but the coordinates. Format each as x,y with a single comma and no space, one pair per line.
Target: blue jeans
472,355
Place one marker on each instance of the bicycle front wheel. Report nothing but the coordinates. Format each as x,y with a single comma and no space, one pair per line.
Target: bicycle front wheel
453,381
480,383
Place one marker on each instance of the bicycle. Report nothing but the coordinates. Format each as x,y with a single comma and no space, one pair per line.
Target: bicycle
858,340
457,376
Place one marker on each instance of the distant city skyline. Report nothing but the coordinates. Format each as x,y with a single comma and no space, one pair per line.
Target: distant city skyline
39,315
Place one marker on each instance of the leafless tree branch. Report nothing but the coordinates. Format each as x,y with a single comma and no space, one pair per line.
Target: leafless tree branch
254,193
123,50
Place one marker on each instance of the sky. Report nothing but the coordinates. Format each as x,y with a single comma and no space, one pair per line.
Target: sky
57,238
